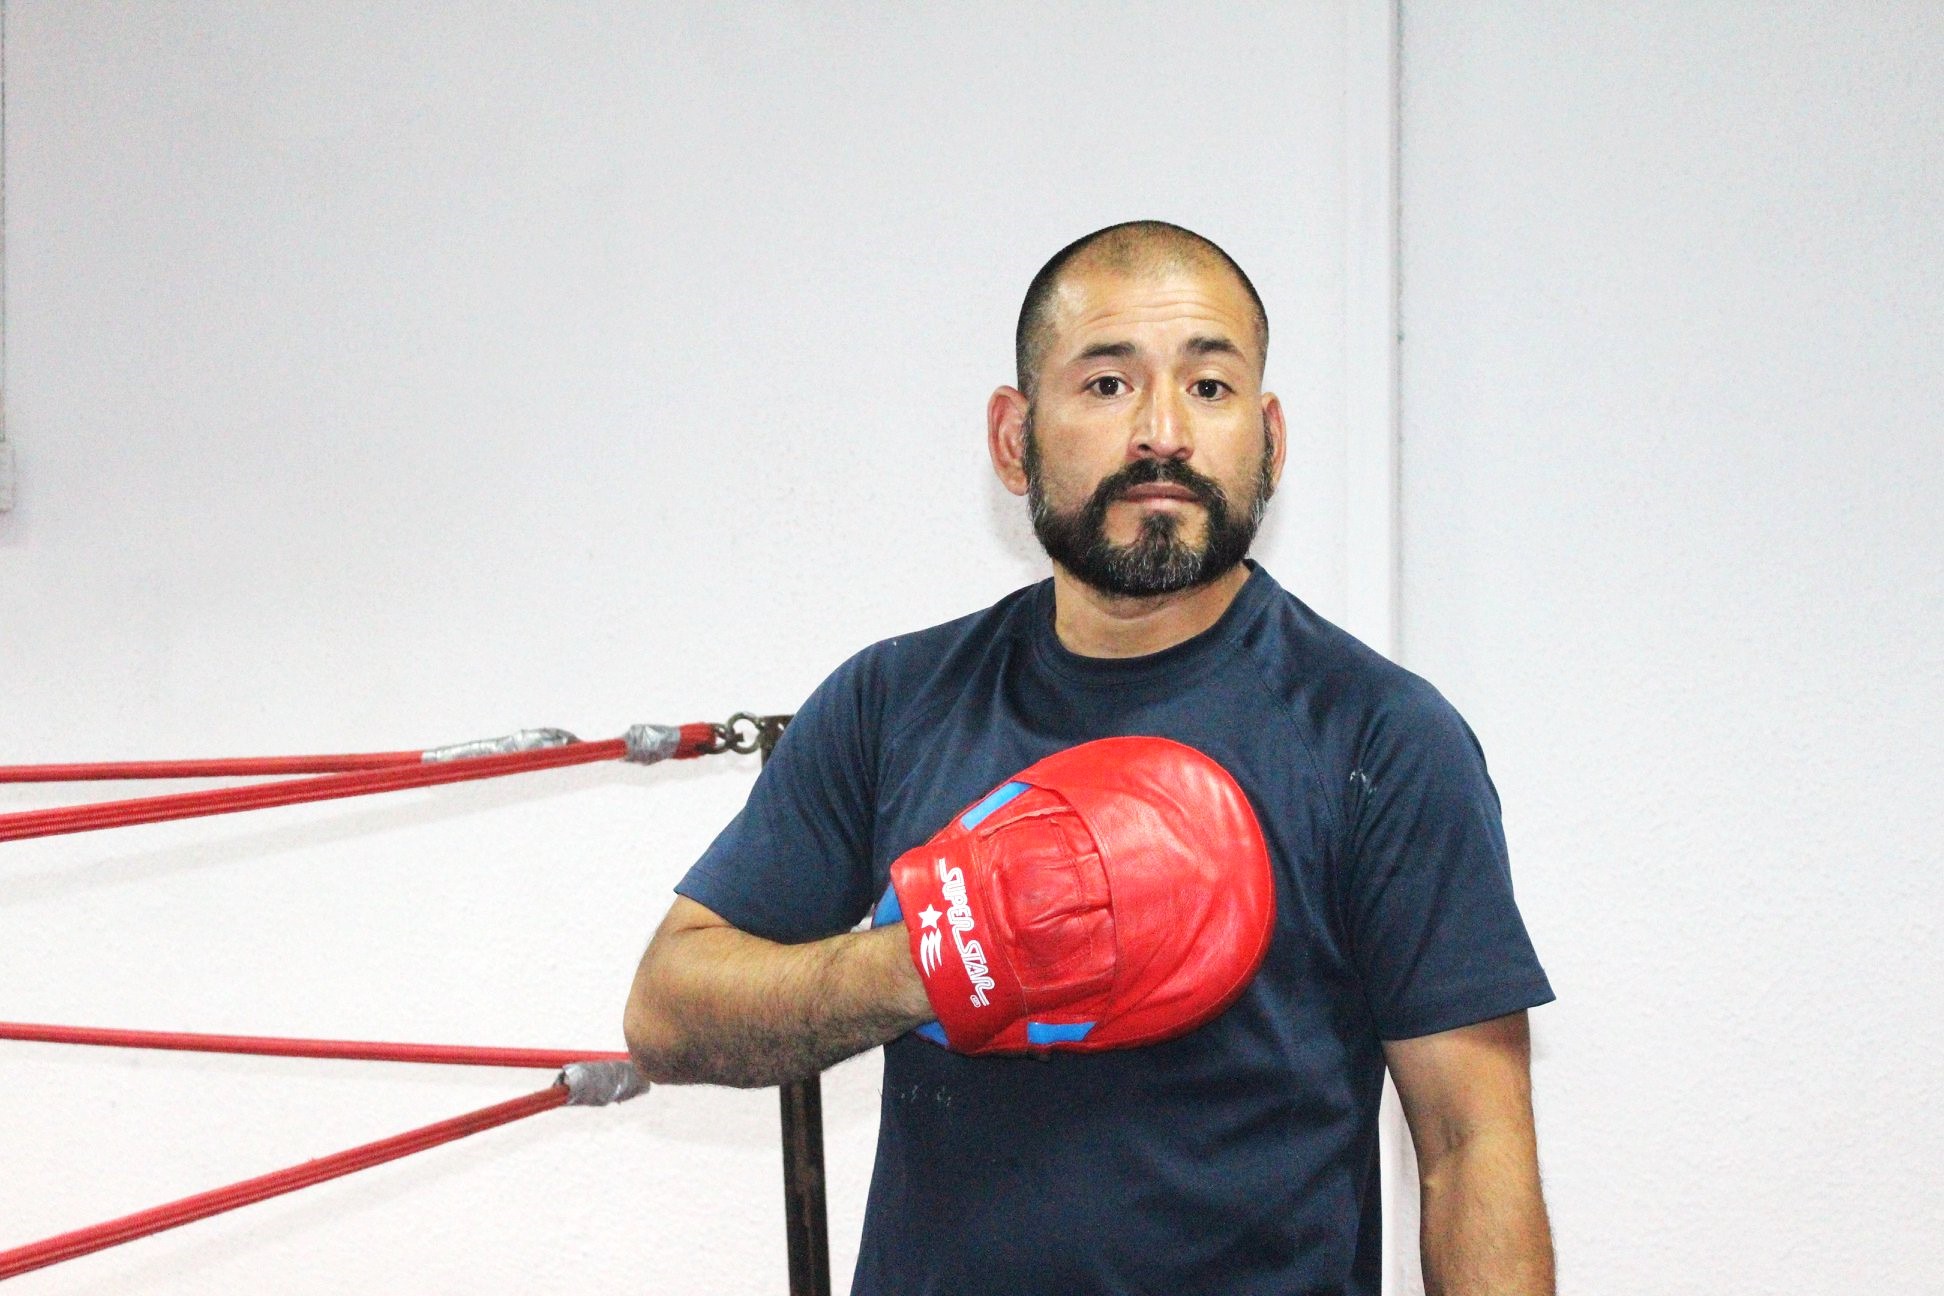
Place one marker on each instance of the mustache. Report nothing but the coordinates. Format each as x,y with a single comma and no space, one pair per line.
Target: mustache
1154,472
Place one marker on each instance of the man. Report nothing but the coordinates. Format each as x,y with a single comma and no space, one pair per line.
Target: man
1241,1156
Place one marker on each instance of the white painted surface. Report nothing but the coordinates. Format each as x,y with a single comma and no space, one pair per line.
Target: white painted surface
384,375
6,451
1370,324
1370,388
1672,461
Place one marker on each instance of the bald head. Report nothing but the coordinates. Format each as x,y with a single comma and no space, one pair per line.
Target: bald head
1137,249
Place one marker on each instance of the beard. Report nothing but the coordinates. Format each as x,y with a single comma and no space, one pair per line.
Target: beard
1158,560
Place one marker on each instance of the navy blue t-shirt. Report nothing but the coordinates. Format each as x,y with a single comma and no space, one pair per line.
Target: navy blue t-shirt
1241,1157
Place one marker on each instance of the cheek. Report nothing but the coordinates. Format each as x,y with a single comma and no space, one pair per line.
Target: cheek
1240,466
1076,454
1068,484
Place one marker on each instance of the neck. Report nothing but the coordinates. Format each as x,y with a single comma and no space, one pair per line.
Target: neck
1097,624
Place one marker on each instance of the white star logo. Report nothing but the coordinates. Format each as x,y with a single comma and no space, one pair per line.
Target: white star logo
930,916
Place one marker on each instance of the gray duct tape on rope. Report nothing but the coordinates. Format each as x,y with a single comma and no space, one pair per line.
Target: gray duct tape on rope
648,743
524,740
596,1084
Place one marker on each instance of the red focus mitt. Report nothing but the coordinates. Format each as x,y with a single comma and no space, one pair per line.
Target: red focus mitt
1116,893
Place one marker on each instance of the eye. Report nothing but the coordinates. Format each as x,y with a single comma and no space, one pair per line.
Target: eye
1108,385
1208,388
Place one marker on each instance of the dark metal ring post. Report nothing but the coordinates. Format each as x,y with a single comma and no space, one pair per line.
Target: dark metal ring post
806,1225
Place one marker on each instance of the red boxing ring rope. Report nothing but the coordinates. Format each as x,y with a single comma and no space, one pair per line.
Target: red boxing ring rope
277,1046
324,787
696,740
97,1237
329,777
226,767
142,1224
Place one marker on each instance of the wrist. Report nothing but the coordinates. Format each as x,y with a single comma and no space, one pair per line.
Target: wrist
903,988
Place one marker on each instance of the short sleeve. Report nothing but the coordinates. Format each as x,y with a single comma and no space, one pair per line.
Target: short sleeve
795,863
1438,940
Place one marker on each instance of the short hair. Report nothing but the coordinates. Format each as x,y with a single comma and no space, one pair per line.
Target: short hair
1134,247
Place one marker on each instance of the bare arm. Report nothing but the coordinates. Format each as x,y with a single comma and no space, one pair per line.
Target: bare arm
715,1005
1467,1095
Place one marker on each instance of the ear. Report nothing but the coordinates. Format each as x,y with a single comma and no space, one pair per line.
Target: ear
1006,437
1278,433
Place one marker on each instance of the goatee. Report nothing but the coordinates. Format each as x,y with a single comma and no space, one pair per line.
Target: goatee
1158,560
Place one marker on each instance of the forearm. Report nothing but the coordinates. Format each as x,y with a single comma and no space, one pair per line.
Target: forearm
714,1005
1484,1229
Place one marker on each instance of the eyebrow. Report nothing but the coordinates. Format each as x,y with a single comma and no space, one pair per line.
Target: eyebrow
1198,345
1212,346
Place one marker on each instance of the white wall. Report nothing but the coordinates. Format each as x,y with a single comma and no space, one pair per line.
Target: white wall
388,374
1673,316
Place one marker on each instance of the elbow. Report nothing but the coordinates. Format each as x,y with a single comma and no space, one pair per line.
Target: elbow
645,1043
655,1039
675,1020
659,1049
665,1052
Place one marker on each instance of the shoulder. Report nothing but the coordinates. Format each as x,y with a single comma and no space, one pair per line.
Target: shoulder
1347,698
887,682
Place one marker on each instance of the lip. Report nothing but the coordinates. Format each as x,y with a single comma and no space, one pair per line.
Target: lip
1160,491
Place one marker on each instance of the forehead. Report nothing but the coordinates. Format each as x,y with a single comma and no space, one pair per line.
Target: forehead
1153,308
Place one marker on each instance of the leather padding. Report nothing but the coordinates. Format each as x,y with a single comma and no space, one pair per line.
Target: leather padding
1128,887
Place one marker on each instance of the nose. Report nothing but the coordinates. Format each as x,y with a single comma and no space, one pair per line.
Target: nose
1162,430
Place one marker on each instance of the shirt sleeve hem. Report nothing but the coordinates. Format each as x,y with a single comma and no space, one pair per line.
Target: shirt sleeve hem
725,902
1468,1007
